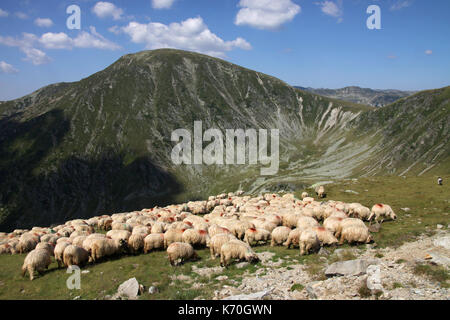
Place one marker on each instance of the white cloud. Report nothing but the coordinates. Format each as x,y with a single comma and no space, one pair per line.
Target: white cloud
26,45
21,15
114,29
3,13
266,14
192,34
107,9
7,68
85,39
332,9
43,22
35,56
162,4
398,5
428,52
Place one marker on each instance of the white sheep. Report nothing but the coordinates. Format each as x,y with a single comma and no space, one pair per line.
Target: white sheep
75,256
36,260
153,241
172,236
308,240
47,246
123,235
293,238
305,222
136,242
279,235
332,223
305,195
257,235
382,211
59,252
102,248
355,233
236,249
325,236
346,223
216,242
196,238
180,251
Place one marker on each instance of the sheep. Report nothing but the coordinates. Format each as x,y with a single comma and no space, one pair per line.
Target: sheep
304,222
36,260
290,220
59,252
361,212
121,226
143,230
78,241
308,240
105,223
173,235
383,211
102,248
215,229
136,243
153,241
27,242
305,195
355,233
64,239
320,191
216,242
253,235
346,223
195,237
47,246
5,248
293,238
75,256
238,228
119,235
87,242
50,238
236,249
279,235
158,227
325,236
332,223
180,251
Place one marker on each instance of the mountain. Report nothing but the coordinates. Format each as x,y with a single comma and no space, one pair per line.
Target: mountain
375,98
103,144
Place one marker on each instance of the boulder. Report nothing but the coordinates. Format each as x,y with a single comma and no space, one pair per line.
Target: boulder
349,268
443,242
129,289
374,278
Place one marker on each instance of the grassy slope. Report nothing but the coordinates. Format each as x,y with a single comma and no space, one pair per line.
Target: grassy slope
429,204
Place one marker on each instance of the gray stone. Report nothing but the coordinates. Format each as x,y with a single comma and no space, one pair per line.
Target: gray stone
222,278
129,289
252,296
351,191
152,290
242,265
406,209
374,278
439,259
323,252
443,242
349,268
439,226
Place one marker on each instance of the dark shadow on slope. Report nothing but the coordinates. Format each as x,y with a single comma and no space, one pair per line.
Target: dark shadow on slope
75,187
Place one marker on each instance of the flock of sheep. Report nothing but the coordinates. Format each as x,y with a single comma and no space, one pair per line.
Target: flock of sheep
228,224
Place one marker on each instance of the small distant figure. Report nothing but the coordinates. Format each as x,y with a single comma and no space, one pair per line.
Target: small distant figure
440,181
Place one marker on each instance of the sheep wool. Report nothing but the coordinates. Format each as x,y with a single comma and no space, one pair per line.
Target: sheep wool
180,251
36,260
279,235
236,249
75,256
153,241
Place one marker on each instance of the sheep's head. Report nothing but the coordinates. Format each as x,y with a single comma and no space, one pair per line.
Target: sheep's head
252,258
393,215
369,239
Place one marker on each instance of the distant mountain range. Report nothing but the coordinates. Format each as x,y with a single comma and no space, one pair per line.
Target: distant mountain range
371,97
103,144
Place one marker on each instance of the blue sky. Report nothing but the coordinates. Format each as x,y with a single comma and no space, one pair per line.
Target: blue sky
321,44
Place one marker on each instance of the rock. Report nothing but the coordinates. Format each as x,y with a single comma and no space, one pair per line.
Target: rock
428,257
242,265
349,268
439,226
437,258
374,278
85,271
222,278
207,271
253,296
77,298
443,242
152,290
310,290
323,252
351,191
406,209
129,289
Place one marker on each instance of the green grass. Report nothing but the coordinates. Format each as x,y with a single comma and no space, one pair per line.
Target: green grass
437,273
297,287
